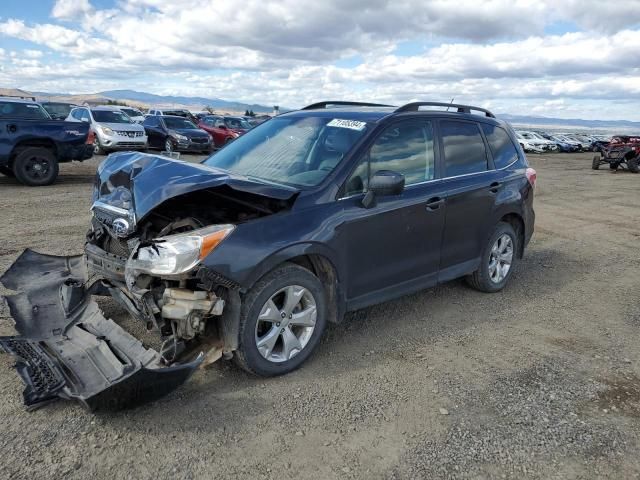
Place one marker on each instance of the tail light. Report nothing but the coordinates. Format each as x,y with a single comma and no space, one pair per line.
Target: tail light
91,137
532,176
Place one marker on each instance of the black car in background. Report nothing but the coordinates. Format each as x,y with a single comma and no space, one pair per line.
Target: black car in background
251,253
58,110
176,133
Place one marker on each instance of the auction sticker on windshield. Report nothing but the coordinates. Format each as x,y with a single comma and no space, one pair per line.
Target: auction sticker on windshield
352,124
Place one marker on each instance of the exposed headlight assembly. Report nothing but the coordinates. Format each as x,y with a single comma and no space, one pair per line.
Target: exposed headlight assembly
177,254
107,130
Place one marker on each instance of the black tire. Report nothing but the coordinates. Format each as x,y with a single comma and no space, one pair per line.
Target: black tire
481,279
247,356
36,167
614,166
632,165
168,145
7,172
595,163
97,148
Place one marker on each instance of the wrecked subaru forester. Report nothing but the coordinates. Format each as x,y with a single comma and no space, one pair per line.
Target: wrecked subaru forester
249,254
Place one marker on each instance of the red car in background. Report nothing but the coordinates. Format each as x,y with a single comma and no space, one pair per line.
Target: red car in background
224,129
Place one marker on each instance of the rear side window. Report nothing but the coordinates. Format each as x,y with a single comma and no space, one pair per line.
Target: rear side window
464,150
503,149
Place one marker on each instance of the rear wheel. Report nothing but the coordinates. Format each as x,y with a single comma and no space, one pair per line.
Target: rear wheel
614,165
281,321
498,259
36,166
595,163
632,165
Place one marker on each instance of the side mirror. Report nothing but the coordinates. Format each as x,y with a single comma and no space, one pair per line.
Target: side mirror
383,183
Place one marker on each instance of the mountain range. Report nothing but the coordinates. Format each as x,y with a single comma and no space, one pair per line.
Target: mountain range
145,100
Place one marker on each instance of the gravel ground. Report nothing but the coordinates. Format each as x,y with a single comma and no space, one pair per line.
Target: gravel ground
541,380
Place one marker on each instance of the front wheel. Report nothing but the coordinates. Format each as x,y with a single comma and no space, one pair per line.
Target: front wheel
632,165
281,321
498,260
168,145
36,167
595,163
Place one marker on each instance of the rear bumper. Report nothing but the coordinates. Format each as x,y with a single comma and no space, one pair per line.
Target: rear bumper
67,349
76,152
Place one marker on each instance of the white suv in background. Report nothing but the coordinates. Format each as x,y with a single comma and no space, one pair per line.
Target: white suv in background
134,114
114,129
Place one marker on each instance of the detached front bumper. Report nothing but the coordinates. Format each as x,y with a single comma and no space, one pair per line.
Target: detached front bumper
67,349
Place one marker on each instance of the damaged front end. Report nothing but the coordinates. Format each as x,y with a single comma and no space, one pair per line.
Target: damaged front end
154,221
67,349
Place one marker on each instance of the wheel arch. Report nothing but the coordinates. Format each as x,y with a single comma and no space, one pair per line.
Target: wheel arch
320,261
32,142
517,222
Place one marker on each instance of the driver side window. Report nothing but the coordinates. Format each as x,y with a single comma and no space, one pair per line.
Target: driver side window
405,147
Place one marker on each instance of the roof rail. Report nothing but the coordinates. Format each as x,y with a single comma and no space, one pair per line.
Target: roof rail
22,97
415,106
318,105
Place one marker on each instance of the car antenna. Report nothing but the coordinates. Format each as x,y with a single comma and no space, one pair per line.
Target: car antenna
450,103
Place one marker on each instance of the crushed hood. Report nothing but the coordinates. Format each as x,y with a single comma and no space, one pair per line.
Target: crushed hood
152,179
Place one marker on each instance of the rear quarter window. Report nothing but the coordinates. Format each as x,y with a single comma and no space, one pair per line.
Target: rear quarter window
503,150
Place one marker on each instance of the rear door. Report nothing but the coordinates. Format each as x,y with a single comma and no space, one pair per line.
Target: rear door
471,189
394,246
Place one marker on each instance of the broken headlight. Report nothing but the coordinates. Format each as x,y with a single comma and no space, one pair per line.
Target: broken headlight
177,254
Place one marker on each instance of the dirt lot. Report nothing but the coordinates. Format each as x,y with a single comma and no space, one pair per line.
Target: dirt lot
541,380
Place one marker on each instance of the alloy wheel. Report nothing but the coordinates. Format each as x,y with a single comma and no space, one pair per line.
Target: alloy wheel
286,323
37,168
500,258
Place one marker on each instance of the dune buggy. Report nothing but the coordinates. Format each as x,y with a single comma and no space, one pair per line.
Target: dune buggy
623,151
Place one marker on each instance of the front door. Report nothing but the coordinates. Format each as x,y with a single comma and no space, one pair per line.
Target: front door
394,246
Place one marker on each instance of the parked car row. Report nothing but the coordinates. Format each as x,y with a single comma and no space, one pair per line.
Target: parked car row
541,142
119,128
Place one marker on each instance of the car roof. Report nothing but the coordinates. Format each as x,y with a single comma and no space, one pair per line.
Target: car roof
110,108
375,114
15,100
172,116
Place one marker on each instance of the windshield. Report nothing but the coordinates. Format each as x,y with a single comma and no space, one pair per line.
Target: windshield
60,110
178,123
131,112
233,122
23,110
110,116
299,151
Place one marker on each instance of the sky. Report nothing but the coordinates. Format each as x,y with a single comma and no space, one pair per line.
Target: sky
556,58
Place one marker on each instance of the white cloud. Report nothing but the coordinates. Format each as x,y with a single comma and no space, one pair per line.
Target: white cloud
70,9
285,51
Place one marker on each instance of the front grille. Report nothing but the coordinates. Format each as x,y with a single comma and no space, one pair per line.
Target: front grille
42,373
199,140
129,144
126,133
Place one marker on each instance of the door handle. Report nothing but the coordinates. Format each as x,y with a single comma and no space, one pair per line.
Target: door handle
434,203
495,187
12,128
